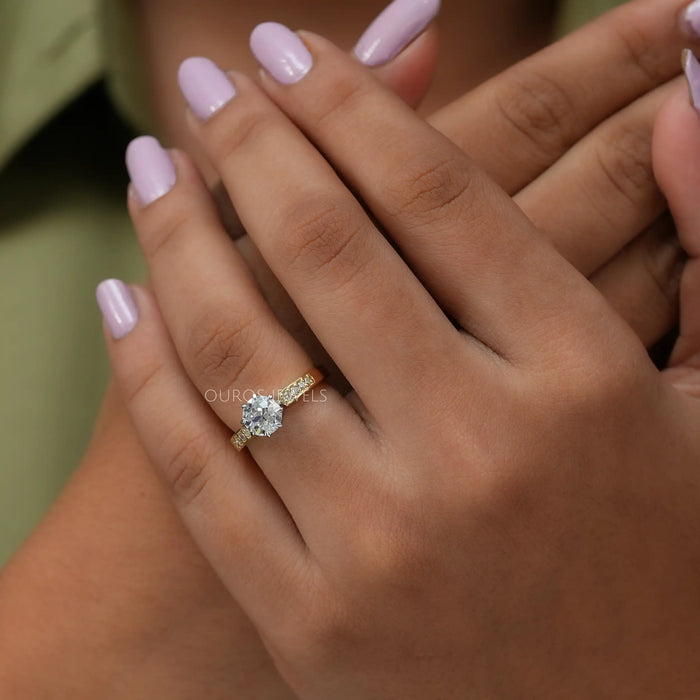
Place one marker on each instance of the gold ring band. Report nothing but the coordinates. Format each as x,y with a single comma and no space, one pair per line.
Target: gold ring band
262,415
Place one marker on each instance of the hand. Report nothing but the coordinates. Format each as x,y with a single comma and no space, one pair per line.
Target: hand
127,521
546,133
488,516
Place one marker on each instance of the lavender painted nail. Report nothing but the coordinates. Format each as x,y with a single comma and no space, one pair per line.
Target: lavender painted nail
692,74
280,52
394,29
205,86
118,307
690,19
150,168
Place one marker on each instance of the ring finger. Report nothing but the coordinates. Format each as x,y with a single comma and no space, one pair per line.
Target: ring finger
227,337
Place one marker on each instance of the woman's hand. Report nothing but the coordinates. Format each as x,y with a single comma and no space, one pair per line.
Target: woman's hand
115,481
507,509
567,133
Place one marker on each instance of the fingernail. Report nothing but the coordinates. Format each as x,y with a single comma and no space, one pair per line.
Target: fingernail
205,86
118,307
692,75
690,19
280,52
394,29
150,168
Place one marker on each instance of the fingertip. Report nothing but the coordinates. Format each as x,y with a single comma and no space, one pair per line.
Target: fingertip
150,168
118,306
189,183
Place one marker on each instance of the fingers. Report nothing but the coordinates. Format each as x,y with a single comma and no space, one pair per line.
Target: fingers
676,155
409,75
525,119
642,282
358,296
604,187
228,340
227,336
468,242
232,512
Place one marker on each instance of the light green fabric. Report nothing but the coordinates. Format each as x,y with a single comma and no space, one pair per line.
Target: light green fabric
62,230
122,73
63,227
48,54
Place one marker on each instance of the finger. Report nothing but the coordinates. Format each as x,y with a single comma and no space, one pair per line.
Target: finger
468,242
226,336
220,323
676,155
409,75
519,123
604,187
366,308
642,282
234,515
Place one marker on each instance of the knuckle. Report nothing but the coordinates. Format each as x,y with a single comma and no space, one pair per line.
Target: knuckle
322,236
541,110
186,466
165,229
428,186
134,385
394,547
348,93
250,129
222,345
593,384
624,157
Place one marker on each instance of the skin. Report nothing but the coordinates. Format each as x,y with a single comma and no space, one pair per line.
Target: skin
499,34
157,541
676,153
522,492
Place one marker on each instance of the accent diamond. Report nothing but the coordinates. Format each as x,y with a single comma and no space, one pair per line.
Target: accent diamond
262,415
295,390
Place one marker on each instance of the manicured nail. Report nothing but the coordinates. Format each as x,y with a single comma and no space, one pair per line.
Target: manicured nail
690,19
394,29
118,307
150,168
692,74
280,52
205,86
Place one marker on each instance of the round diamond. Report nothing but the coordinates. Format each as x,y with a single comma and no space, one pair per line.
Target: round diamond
262,415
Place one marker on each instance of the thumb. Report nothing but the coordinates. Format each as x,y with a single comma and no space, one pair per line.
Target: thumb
676,153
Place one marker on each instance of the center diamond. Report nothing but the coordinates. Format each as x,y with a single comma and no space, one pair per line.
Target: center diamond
262,415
